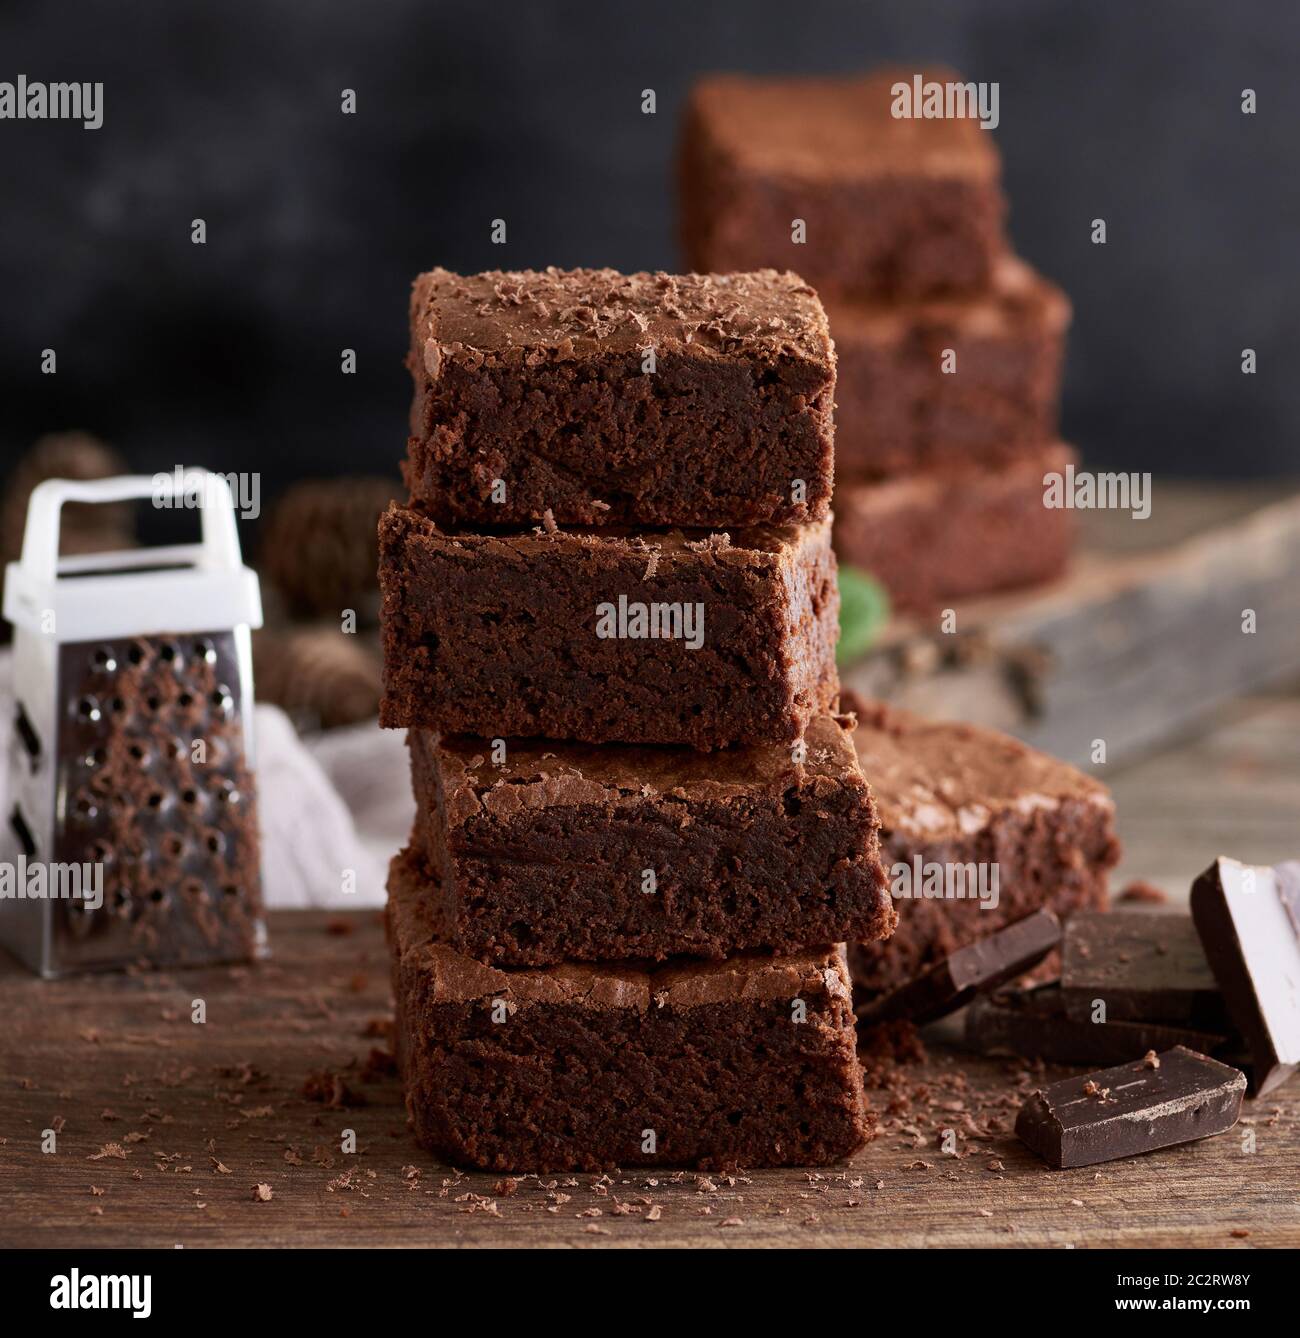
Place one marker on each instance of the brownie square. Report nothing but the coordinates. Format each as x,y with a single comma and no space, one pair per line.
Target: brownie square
596,853
747,1062
535,395
951,533
695,637
894,208
957,794
949,381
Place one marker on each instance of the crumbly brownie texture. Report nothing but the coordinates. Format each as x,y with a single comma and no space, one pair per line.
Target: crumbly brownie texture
747,1062
497,634
897,409
957,794
949,534
892,207
538,381
544,858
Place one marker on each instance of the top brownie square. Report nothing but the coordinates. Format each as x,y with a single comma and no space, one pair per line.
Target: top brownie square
891,206
605,398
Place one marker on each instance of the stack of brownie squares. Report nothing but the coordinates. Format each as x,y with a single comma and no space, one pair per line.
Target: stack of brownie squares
643,837
950,347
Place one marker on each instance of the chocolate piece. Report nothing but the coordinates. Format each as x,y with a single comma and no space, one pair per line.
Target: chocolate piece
545,856
952,381
892,206
1145,966
692,637
953,795
535,395
319,548
1137,1107
981,965
955,532
747,1062
1248,921
1033,1025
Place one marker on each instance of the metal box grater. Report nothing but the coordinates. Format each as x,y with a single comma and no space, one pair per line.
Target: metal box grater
132,748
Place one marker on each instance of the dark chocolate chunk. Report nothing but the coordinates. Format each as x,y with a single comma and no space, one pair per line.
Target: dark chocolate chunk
1248,919
1137,1107
982,965
1145,966
1033,1025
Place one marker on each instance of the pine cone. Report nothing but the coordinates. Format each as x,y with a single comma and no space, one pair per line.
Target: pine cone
319,676
320,546
83,529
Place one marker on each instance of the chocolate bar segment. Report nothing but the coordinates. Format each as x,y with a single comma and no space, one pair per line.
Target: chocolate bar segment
546,852
981,965
598,398
1138,1107
1248,920
1145,966
1033,1024
747,1062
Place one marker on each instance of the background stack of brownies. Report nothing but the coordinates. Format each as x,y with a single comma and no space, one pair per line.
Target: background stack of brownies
609,619
949,347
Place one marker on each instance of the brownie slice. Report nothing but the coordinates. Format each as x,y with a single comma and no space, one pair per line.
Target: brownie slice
747,1062
956,794
698,638
575,852
535,394
898,409
891,207
950,533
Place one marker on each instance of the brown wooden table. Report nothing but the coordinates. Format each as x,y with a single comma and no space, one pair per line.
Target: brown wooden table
165,1128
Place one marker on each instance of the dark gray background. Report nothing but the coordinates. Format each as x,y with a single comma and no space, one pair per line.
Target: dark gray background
228,354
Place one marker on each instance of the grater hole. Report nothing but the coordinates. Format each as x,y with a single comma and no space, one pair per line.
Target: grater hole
18,825
103,661
31,741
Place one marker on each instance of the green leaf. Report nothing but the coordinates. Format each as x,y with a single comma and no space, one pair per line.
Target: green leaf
864,611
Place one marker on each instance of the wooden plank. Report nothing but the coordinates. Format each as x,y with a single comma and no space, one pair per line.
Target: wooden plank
118,1058
1137,645
219,1108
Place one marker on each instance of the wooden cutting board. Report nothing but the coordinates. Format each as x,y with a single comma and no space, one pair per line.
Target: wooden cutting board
1135,646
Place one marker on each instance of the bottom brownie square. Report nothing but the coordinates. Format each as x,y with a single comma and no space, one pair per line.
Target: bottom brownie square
950,533
746,1062
951,796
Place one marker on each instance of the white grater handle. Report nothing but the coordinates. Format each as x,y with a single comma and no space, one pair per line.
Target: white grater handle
219,544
